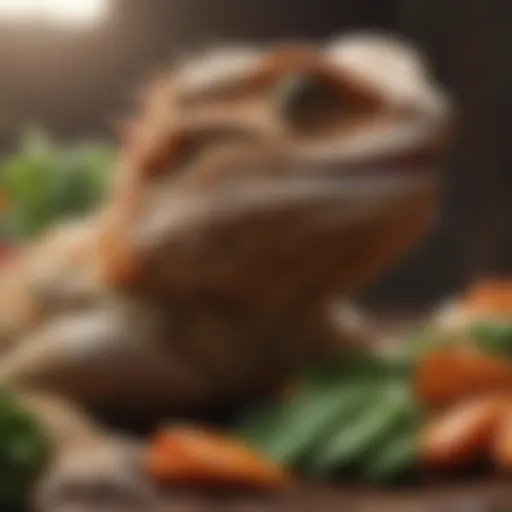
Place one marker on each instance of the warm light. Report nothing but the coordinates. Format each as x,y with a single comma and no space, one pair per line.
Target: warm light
74,12
77,11
20,9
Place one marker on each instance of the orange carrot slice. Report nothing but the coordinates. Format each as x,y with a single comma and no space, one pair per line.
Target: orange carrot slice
463,434
445,377
502,449
183,456
490,296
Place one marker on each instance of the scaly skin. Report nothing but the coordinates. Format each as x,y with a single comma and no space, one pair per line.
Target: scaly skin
253,190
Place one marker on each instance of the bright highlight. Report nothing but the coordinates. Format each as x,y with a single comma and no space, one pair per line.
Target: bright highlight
66,12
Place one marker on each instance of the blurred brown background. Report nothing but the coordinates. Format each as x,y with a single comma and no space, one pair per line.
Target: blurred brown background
75,83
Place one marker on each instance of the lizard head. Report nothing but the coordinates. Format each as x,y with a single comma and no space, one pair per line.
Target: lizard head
298,168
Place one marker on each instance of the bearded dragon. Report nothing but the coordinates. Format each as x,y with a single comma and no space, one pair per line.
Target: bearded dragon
254,189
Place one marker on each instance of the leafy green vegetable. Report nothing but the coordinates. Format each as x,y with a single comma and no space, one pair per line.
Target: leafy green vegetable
23,451
425,339
372,365
395,459
44,182
308,417
353,440
493,336
343,413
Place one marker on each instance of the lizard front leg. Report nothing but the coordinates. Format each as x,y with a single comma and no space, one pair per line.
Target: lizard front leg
90,467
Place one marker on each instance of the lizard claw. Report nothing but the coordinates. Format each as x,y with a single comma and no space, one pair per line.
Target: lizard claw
107,478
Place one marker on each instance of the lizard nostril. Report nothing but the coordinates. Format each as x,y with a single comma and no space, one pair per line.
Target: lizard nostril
305,100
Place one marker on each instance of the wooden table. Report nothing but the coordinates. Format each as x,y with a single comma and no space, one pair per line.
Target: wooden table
468,496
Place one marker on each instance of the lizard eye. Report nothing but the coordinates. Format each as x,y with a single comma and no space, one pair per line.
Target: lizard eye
306,101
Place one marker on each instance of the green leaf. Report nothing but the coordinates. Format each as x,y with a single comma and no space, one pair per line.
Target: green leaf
313,418
494,336
353,439
258,424
343,412
292,433
425,339
360,367
47,183
23,450
395,460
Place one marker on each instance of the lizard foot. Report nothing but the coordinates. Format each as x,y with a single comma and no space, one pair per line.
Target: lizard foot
106,478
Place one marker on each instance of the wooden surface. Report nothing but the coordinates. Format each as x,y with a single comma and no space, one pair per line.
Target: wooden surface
468,496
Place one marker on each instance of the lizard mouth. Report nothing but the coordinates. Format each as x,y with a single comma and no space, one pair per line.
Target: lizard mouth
394,174
413,164
407,153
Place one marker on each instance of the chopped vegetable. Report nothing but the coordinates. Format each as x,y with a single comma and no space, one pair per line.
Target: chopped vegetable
493,336
342,413
182,456
463,434
445,377
23,451
395,459
426,340
44,182
502,446
360,438
308,417
490,296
